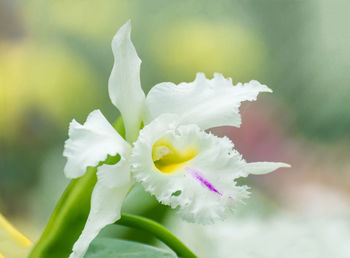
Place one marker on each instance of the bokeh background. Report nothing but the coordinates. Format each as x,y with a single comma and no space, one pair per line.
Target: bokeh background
55,60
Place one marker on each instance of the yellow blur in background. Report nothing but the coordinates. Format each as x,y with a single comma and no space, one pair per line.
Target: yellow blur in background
197,45
47,79
12,242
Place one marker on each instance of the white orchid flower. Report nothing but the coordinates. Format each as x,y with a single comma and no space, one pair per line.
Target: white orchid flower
173,157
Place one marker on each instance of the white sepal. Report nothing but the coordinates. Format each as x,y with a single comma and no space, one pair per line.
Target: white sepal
260,168
124,84
113,183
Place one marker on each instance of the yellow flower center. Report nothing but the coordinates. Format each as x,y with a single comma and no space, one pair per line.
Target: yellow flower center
168,159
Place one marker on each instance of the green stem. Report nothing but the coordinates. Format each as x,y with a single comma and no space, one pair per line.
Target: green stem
159,231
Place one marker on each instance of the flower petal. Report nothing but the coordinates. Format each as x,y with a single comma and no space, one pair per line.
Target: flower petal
203,188
114,175
260,168
207,103
106,204
124,83
90,143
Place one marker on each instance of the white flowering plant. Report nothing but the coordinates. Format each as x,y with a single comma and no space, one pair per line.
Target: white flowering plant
159,141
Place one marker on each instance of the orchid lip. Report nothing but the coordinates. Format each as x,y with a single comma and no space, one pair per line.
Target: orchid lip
197,175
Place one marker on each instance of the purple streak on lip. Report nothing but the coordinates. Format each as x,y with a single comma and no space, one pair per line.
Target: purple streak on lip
197,175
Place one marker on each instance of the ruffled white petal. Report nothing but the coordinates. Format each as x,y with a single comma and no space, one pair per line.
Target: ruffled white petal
207,103
124,83
90,143
204,189
106,204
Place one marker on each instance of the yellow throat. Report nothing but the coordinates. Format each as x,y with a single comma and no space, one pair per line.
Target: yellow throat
167,159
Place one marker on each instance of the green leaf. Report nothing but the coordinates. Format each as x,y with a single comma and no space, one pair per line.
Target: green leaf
112,248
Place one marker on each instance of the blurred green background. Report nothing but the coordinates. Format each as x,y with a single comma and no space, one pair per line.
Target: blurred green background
55,60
